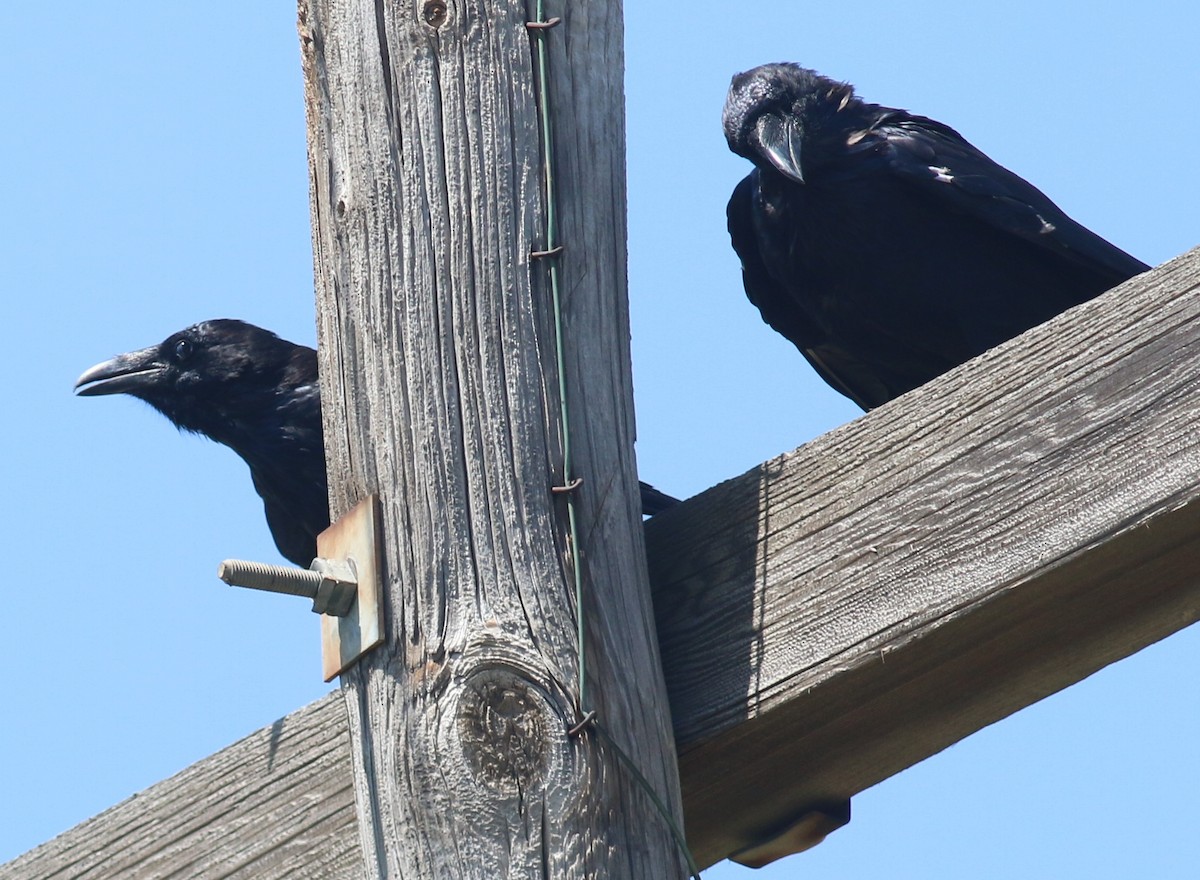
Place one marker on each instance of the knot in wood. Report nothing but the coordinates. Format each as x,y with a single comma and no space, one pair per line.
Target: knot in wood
434,13
504,727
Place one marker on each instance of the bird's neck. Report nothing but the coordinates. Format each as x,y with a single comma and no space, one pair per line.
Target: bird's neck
267,429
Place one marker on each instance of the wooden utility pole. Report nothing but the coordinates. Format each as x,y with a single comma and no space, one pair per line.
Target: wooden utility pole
441,390
830,617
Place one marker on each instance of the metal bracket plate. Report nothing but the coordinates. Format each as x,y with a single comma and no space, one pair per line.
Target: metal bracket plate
355,537
803,833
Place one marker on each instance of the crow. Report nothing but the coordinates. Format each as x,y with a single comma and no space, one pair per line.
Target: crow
885,246
246,388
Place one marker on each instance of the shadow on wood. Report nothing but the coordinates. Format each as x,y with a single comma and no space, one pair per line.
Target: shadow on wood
836,614
932,567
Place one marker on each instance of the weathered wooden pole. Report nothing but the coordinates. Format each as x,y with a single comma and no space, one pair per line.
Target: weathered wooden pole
441,392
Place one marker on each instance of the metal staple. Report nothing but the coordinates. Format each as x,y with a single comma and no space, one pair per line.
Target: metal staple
552,251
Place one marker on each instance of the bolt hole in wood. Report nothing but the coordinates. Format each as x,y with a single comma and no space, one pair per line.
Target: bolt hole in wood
505,726
434,13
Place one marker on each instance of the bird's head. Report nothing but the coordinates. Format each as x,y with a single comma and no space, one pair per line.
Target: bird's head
776,115
205,376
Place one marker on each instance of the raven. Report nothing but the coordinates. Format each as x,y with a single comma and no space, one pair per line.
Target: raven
259,395
885,246
251,391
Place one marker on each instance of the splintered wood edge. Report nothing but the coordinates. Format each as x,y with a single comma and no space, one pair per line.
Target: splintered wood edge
356,537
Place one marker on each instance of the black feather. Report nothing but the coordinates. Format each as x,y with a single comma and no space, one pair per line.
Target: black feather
259,395
885,246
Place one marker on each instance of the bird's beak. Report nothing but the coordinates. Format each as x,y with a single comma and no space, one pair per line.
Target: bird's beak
779,141
124,374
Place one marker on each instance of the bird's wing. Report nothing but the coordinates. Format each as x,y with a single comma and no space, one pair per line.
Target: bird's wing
294,538
785,315
941,163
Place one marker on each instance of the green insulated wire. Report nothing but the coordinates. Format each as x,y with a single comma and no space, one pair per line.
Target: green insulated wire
543,72
543,76
680,841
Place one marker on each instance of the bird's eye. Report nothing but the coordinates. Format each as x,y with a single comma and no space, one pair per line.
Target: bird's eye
183,350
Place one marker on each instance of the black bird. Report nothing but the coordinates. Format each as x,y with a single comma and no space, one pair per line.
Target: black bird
885,246
251,391
259,395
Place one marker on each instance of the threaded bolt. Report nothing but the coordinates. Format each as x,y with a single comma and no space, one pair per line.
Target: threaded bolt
332,584
275,578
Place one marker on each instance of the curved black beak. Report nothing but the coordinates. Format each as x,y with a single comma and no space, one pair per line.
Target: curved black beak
779,140
124,374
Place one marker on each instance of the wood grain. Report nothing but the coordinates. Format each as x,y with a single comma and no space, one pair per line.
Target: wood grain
279,803
440,390
850,608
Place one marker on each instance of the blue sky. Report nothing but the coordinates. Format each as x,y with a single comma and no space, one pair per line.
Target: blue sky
157,176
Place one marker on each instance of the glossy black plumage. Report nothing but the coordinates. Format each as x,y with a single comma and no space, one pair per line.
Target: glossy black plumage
259,395
251,391
886,247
